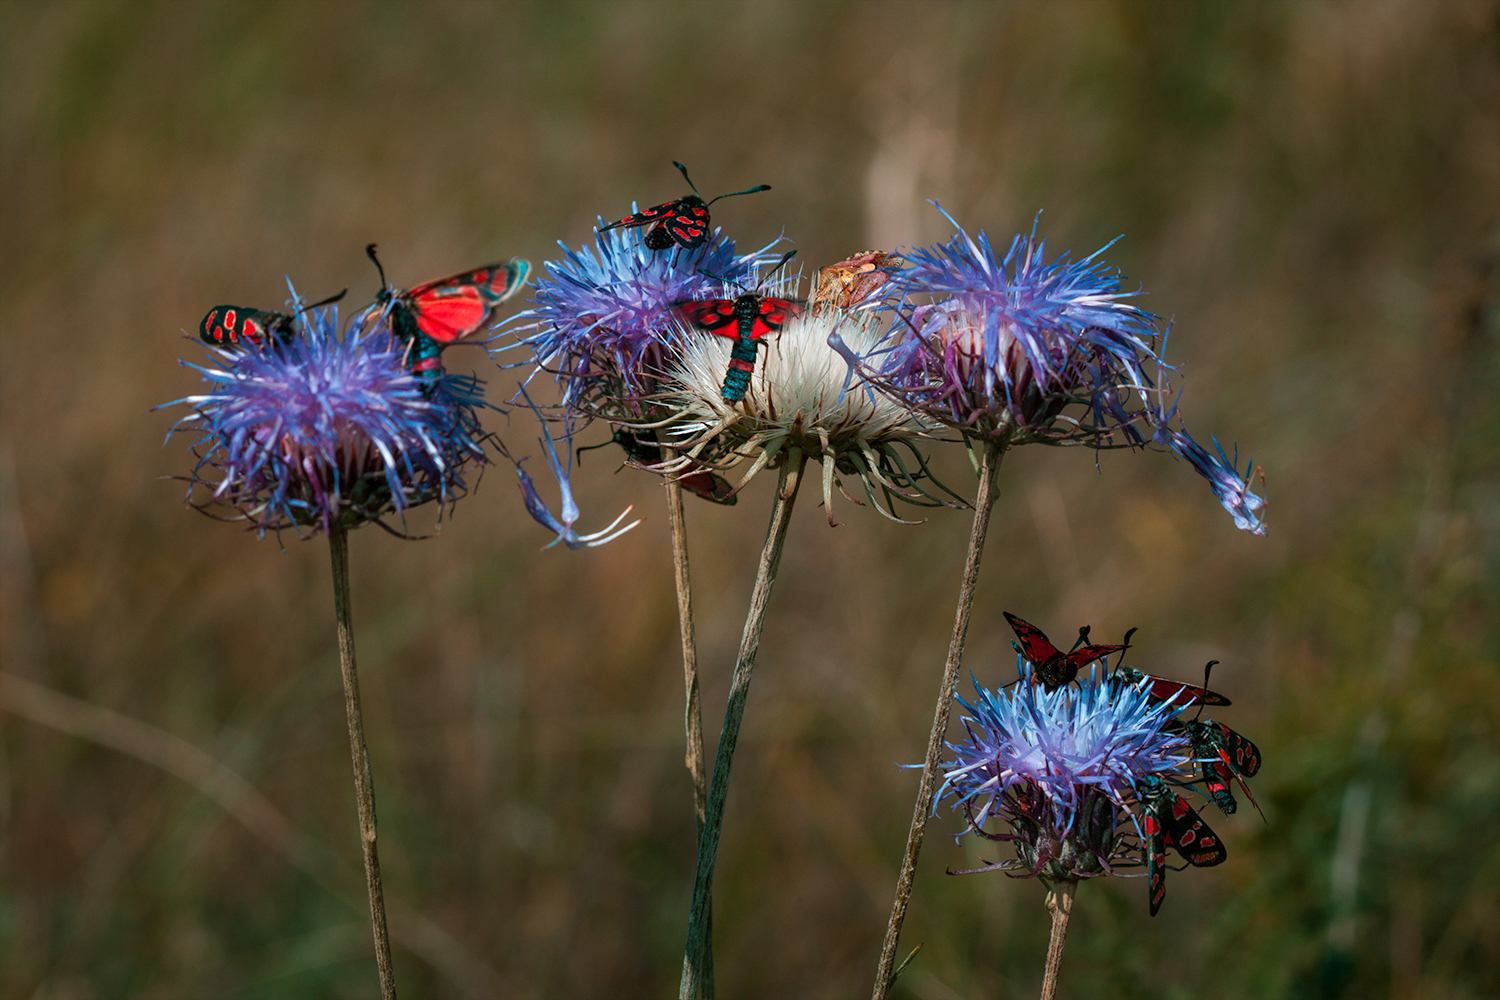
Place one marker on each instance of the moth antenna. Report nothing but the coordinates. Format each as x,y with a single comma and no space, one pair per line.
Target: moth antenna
1206,669
736,194
687,178
779,265
1083,636
370,252
326,302
578,452
716,277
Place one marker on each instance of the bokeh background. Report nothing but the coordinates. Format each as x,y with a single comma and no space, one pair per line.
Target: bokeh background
1311,190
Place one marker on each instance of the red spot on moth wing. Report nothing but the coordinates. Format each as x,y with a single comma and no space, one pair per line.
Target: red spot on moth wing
1180,808
499,282
644,216
452,317
252,330
1153,826
712,315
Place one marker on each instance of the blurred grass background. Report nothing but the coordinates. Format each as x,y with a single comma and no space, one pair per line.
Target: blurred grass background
1310,189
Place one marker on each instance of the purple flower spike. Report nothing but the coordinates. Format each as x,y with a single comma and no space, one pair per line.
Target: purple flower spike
326,432
606,311
1222,473
1008,341
1061,768
538,509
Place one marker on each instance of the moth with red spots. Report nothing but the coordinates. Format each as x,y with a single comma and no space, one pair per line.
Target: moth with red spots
748,319
1225,755
1171,822
1165,689
683,222
245,326
1050,665
643,449
438,313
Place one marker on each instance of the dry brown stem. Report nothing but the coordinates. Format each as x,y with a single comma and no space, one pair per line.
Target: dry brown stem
989,490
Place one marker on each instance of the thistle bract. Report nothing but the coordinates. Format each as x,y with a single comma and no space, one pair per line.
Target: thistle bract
1061,768
602,320
327,431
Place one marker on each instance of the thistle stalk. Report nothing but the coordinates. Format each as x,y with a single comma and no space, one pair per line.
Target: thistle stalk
984,503
695,971
693,708
1060,904
364,786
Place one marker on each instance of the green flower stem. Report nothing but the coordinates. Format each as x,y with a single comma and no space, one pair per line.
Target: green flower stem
984,503
693,710
694,974
364,786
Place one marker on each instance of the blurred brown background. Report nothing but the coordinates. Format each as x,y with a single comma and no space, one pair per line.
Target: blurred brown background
1309,189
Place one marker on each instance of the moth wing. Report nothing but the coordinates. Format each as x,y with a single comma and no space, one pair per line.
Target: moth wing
451,314
712,315
1084,655
710,487
773,315
656,213
1035,645
1156,861
1243,755
688,225
1192,837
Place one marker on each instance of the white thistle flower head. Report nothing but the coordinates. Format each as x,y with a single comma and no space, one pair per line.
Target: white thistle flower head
802,399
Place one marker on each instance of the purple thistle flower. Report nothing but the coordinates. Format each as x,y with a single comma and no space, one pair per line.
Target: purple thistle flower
328,432
1061,767
1009,341
1222,473
602,319
1008,344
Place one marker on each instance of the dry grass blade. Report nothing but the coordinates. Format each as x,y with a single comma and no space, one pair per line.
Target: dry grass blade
256,813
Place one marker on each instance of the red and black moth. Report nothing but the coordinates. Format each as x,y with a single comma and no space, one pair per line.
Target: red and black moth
434,314
748,319
1050,665
683,222
643,450
1171,822
1225,755
245,326
1165,689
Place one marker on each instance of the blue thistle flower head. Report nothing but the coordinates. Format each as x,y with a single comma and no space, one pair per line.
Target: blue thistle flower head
1008,341
324,432
602,320
1061,767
